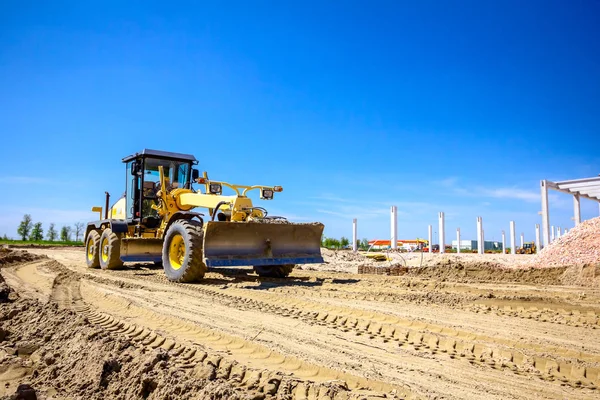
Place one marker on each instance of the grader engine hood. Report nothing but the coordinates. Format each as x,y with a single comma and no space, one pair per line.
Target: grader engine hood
261,243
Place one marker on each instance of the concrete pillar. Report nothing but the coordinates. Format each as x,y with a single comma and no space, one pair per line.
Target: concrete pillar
503,243
482,239
394,227
442,233
458,240
577,209
552,235
430,238
522,239
537,238
354,236
512,238
558,232
545,212
479,228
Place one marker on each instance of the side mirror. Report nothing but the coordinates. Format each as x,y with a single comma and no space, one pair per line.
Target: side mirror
195,174
135,168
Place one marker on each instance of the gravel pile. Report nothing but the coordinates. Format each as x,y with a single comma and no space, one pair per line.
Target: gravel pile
581,245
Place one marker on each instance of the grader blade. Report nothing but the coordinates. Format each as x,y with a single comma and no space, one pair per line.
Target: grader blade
254,243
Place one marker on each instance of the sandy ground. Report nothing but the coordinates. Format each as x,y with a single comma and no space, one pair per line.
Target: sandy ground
462,326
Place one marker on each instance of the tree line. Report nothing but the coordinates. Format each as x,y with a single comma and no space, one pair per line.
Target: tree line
34,232
343,242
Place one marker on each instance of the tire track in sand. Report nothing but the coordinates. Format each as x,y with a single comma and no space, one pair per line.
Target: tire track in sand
547,363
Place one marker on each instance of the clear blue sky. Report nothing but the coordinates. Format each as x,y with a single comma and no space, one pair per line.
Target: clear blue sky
454,106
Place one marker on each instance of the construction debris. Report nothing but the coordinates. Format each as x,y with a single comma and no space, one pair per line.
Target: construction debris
580,246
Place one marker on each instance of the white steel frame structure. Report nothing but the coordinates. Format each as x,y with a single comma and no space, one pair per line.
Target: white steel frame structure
587,188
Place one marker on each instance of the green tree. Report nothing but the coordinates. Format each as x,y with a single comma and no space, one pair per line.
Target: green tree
344,242
25,227
65,234
364,244
37,233
51,235
331,243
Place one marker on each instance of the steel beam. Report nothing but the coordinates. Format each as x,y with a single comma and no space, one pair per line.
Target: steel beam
570,186
583,180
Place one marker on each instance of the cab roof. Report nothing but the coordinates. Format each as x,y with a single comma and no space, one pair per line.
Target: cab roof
160,154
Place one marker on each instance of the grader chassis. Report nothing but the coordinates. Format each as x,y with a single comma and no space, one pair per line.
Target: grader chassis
156,221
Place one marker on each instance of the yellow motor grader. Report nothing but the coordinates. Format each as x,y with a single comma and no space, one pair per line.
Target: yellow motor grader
157,221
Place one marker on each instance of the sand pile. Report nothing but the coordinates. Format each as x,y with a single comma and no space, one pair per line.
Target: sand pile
580,246
9,256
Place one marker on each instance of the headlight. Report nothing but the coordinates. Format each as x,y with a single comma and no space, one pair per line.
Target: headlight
266,194
215,188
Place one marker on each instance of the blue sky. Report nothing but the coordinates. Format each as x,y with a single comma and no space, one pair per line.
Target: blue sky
454,106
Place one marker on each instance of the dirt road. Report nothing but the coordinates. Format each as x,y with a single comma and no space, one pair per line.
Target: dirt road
323,334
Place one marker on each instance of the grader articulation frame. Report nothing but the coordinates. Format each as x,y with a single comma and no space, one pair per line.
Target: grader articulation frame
155,221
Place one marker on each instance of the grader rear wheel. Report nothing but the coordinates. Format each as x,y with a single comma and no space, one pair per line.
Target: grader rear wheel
110,250
274,271
182,252
92,250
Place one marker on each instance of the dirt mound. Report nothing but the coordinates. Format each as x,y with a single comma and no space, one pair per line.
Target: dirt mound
581,245
57,353
487,272
9,256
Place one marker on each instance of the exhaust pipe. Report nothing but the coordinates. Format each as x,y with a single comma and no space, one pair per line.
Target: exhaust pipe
106,206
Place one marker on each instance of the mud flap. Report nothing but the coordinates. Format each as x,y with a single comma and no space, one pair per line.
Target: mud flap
254,243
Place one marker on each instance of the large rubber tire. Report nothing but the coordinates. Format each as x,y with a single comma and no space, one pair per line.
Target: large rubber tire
274,271
182,252
110,250
92,250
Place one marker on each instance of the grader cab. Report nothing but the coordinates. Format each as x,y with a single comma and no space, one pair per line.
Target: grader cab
157,220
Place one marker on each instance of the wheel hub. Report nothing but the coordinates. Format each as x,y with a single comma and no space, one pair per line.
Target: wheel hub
177,252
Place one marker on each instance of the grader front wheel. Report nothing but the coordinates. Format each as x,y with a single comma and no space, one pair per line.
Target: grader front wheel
182,252
274,271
